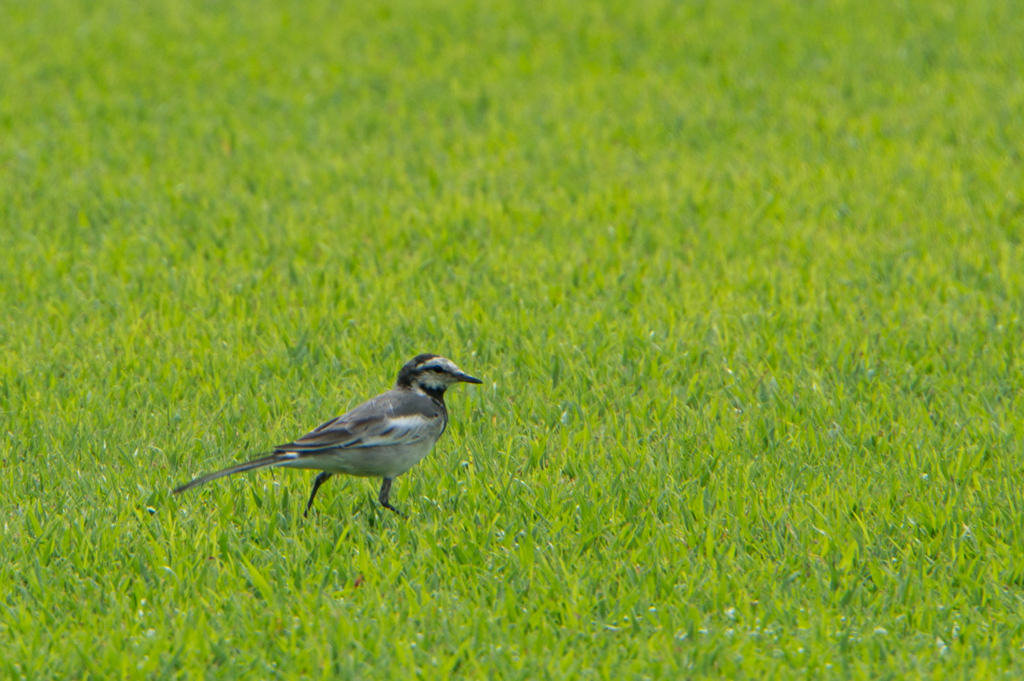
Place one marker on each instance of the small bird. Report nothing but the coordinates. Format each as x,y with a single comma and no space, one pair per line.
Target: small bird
381,438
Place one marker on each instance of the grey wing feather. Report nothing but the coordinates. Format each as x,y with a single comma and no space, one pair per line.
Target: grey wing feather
333,434
372,424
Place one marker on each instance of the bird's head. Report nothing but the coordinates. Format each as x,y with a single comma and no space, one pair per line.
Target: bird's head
432,374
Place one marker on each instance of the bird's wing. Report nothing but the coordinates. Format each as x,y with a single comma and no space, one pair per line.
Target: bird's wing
371,424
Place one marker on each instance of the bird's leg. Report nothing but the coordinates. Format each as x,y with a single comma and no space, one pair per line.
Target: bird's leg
385,491
320,479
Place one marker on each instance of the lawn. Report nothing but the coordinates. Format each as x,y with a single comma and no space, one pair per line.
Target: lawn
744,281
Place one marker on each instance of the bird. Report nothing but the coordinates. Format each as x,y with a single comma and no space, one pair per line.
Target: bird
381,438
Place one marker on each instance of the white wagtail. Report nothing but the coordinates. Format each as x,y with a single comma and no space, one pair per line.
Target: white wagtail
381,438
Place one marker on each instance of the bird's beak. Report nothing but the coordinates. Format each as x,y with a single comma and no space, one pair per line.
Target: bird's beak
466,378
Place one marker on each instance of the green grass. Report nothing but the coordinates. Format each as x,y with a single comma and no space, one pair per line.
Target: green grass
745,282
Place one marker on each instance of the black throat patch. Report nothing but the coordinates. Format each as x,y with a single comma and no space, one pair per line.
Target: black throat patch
436,394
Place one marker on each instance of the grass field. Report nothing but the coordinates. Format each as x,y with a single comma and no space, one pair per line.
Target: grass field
745,282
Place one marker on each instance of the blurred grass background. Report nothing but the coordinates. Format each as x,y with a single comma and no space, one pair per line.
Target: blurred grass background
743,279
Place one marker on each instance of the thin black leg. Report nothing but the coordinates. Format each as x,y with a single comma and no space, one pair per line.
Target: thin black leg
320,479
385,491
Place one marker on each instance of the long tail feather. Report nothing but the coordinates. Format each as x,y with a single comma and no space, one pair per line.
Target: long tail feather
266,461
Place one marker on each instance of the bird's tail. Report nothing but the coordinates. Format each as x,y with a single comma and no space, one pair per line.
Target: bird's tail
272,460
